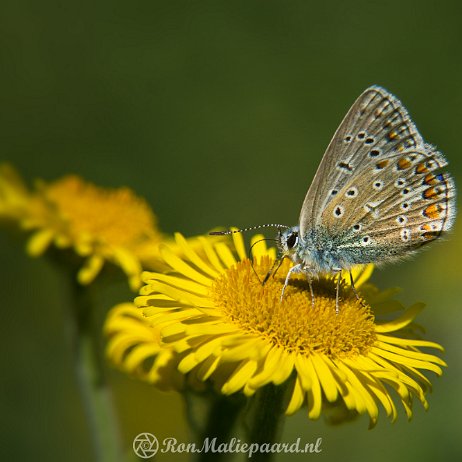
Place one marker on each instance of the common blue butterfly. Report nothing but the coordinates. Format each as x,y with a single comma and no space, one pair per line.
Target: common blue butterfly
378,195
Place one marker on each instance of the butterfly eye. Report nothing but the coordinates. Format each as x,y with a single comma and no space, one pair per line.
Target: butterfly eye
292,240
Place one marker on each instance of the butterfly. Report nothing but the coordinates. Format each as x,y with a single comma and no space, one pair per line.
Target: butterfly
378,195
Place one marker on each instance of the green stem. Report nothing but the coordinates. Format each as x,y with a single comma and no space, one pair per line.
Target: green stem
222,413
95,393
268,419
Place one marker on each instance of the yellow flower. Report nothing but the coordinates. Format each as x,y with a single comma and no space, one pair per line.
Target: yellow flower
227,327
136,347
99,224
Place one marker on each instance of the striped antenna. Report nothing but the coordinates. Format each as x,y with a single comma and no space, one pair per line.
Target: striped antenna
223,233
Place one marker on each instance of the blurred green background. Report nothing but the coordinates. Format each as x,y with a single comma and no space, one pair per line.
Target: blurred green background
217,112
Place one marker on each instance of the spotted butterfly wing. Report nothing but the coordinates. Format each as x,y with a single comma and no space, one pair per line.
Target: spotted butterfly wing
385,196
375,125
393,208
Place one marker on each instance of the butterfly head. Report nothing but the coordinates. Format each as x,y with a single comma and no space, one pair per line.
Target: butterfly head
288,240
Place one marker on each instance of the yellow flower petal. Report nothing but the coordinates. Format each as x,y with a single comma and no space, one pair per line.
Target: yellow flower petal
239,244
178,282
328,383
90,270
208,367
211,255
314,393
193,257
39,242
402,321
269,364
225,254
183,268
361,274
258,246
240,377
297,398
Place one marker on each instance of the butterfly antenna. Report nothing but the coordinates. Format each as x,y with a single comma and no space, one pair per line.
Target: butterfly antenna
252,259
242,230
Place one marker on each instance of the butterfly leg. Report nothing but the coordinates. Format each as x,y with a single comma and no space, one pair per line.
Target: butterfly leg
355,291
277,264
294,269
339,273
311,289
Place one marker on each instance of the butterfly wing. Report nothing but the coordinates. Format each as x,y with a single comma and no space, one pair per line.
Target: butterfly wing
388,209
376,125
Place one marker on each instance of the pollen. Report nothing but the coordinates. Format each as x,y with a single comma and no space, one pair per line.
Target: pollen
294,323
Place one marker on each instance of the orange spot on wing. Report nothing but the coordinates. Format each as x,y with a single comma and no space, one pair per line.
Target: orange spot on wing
433,211
404,163
430,179
434,191
421,168
430,235
430,192
382,164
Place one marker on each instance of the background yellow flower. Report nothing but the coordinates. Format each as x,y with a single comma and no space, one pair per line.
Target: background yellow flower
99,224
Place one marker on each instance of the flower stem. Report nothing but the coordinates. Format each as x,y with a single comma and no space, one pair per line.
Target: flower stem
95,393
221,415
268,419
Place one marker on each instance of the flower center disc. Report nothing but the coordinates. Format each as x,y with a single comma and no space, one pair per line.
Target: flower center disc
294,324
116,215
